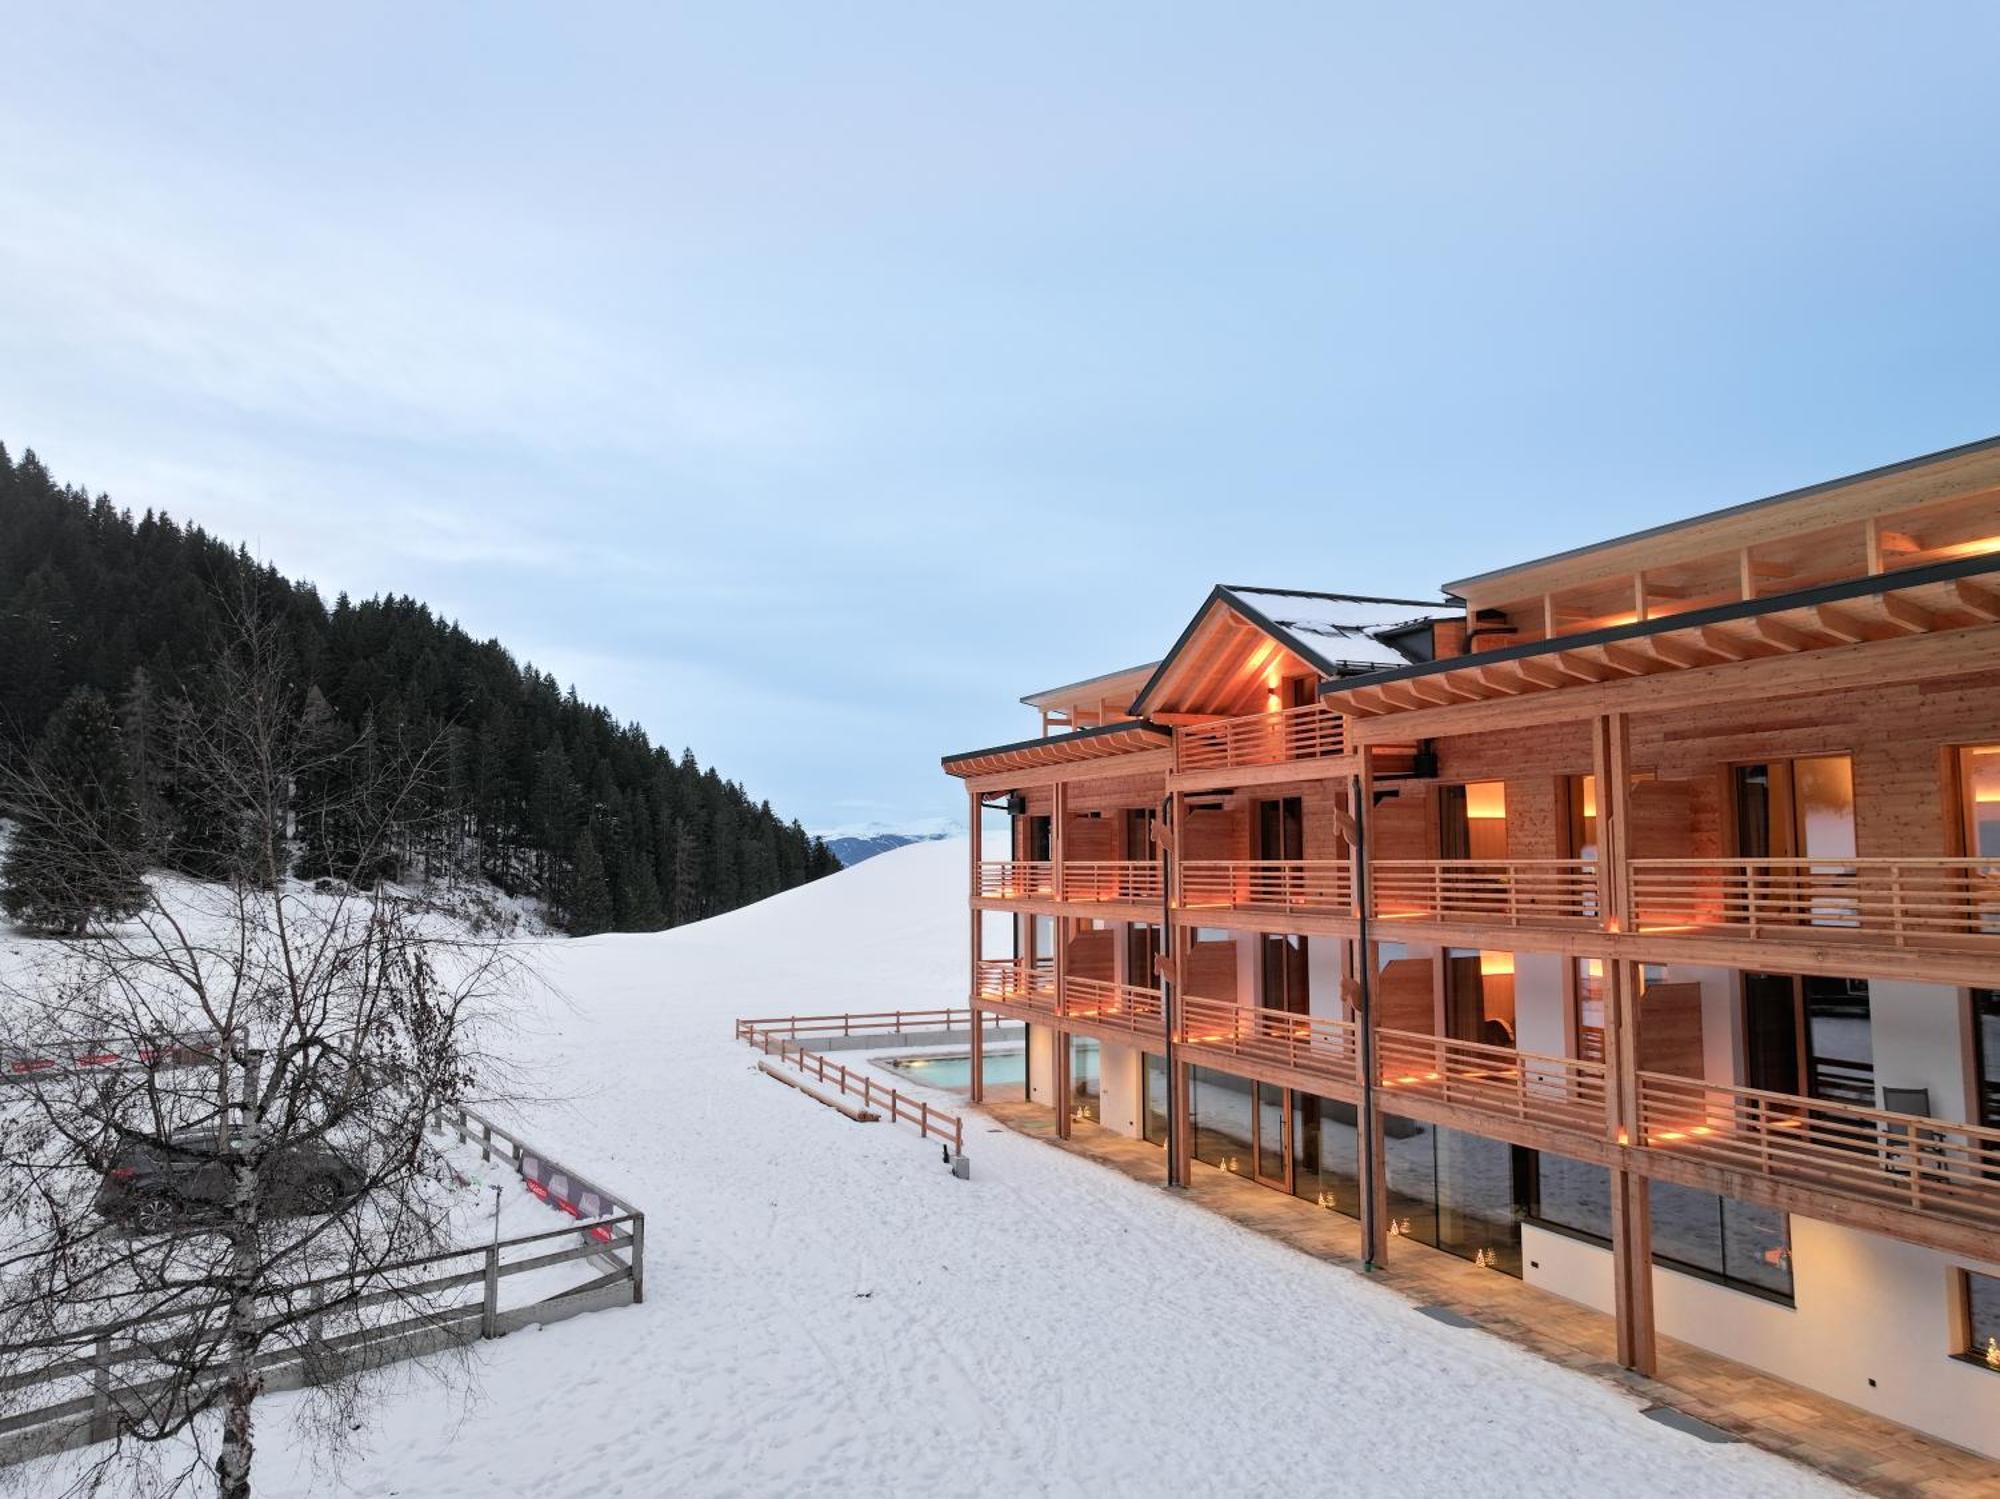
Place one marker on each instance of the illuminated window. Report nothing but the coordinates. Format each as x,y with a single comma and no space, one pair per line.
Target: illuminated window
1981,1314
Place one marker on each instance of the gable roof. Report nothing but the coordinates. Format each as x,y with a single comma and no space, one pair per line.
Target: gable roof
1333,634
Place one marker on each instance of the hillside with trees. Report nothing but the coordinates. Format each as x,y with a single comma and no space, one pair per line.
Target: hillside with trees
111,625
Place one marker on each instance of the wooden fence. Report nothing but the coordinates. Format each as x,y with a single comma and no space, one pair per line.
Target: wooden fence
932,1122
614,1240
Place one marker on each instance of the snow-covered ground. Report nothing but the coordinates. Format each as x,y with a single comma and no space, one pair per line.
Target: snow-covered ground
828,1311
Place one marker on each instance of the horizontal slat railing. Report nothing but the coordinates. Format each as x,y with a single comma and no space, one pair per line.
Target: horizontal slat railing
1504,892
932,1122
1565,1092
1308,733
1016,879
1300,1043
1316,887
860,1023
1933,1166
1931,902
1028,986
1127,1007
1135,881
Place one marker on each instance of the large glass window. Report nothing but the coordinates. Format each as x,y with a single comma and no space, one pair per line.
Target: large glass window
1736,1244
1462,1193
1986,1049
1982,1318
1326,1153
1155,1124
1219,1115
1979,783
1589,980
1085,1090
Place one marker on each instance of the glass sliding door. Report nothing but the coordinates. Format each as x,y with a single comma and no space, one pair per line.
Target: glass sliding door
1273,1144
1790,810
1979,792
1986,1053
1326,1153
1840,1049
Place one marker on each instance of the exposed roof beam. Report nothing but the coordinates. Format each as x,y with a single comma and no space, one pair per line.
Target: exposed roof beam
1678,651
1910,615
1779,633
1584,668
1980,599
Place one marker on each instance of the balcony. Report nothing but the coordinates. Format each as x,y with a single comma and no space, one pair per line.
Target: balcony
1562,1093
1948,1173
1015,985
1309,1051
1083,882
1298,887
1895,902
1126,1008
1131,881
1308,733
1016,879
1485,892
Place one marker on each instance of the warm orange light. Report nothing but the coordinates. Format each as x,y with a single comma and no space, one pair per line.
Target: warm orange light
1495,963
1590,796
1486,800
1594,967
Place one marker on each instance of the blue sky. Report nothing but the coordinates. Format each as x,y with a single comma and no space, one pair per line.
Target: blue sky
807,383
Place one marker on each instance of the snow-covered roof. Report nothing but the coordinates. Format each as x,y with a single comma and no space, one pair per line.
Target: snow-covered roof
1339,630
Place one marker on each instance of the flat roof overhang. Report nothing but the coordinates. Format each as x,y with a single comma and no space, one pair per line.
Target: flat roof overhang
1061,749
1951,595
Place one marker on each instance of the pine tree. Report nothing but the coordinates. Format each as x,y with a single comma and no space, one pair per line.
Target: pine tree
76,853
589,896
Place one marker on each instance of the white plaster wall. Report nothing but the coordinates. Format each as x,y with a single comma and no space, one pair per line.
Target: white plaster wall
1721,1019
1539,1022
1867,1308
1121,1081
1920,1043
1041,1064
1326,961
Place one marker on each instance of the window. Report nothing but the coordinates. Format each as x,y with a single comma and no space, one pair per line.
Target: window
1735,1244
1155,1125
1986,1053
1981,1314
1472,820
1979,790
1282,977
1590,1009
1479,996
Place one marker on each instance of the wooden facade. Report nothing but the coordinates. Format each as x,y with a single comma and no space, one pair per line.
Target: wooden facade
1603,806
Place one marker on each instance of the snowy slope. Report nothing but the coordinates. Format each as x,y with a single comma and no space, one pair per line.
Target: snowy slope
829,1312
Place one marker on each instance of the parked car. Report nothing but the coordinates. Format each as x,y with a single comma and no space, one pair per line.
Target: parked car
153,1184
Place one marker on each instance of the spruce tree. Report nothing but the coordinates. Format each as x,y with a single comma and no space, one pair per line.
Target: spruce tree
589,895
75,858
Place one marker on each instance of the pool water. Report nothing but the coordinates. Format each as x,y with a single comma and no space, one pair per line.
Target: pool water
1004,1065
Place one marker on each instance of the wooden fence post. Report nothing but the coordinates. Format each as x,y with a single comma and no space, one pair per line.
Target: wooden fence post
638,1258
489,1317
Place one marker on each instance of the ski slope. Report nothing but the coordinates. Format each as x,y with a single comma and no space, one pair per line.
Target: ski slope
829,1312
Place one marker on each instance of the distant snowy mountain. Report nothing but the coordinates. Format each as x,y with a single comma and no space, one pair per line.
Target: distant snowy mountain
851,845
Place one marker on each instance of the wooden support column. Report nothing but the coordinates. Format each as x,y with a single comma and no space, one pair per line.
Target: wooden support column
1059,1068
1371,1165
1631,1204
978,938
1168,834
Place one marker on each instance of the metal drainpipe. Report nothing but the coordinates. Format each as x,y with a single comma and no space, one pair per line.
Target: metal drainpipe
1365,969
1167,999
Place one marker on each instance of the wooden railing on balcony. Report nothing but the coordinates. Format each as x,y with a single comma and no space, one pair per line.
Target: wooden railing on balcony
1908,902
1028,986
1932,1166
1565,1092
1272,1038
1127,1007
1012,879
1135,881
1319,887
1503,892
1308,733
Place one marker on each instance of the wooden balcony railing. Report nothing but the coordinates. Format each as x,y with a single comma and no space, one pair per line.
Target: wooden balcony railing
1308,733
1013,879
1127,1007
1135,881
1026,986
1932,1166
1565,1092
1319,887
1273,1038
1504,892
1923,902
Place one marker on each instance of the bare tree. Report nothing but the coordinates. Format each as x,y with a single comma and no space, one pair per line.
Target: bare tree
230,1169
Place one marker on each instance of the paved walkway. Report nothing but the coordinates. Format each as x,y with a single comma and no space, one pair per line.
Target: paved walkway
1840,1440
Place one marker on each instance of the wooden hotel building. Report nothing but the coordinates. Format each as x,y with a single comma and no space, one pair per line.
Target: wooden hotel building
1626,920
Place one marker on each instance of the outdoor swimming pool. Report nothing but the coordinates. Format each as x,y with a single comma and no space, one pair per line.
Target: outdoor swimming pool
1004,1065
